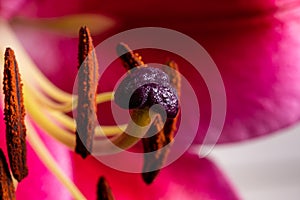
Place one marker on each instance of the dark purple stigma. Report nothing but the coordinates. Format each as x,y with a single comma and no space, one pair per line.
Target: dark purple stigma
145,87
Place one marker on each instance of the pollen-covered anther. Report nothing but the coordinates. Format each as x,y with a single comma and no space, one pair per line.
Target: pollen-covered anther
87,86
103,190
7,190
14,112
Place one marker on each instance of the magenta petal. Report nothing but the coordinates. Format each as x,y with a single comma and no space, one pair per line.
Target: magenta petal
187,178
260,68
40,182
9,8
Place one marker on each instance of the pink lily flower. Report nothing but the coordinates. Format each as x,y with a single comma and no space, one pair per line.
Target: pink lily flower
253,44
232,35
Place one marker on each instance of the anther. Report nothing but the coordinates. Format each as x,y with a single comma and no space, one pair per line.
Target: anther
14,112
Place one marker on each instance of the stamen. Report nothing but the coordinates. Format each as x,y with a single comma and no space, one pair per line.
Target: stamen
129,59
7,190
104,190
87,86
14,116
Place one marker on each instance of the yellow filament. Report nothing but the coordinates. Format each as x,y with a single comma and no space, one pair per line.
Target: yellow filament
35,109
109,130
69,123
63,119
104,97
38,115
48,103
70,105
138,126
100,98
45,156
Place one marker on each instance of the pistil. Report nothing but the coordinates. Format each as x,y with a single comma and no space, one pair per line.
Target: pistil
159,135
165,133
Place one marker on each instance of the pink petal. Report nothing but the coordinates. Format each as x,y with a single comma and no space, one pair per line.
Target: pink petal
187,178
9,8
40,182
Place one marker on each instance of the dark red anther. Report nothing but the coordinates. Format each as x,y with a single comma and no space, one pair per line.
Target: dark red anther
14,112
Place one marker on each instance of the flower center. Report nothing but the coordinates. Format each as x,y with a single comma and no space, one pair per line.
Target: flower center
41,96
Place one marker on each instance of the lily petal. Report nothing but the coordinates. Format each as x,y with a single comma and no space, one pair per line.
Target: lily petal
187,178
10,8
